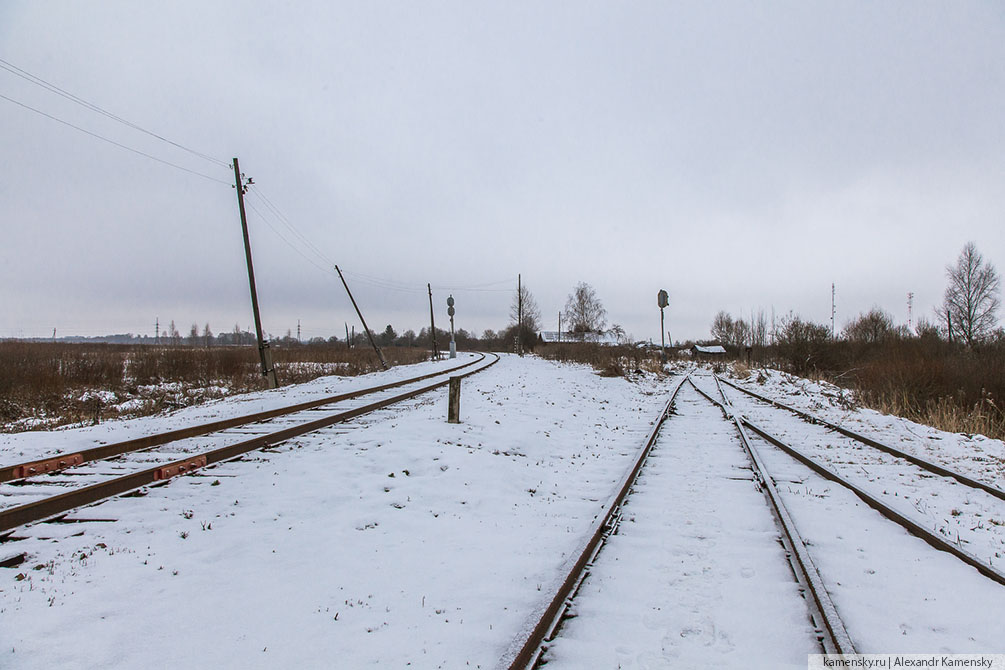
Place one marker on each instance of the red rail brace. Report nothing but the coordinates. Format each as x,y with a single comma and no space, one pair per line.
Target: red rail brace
50,465
181,468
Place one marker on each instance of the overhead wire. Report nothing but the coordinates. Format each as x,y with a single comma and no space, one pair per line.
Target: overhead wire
277,214
113,142
38,81
265,220
289,225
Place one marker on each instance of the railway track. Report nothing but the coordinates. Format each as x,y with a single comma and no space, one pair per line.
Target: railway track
40,490
934,468
822,630
588,639
904,488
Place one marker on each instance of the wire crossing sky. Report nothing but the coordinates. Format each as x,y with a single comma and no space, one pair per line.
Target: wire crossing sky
740,156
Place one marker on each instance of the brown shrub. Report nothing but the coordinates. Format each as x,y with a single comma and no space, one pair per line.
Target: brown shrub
50,381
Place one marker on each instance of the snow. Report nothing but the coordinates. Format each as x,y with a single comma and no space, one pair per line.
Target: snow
26,446
399,540
676,586
429,541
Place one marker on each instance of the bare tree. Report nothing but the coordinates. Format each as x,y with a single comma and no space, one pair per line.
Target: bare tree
758,329
207,335
531,312
873,326
583,310
722,328
741,333
618,333
173,334
971,302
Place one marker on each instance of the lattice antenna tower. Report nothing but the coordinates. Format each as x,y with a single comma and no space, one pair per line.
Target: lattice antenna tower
833,310
910,310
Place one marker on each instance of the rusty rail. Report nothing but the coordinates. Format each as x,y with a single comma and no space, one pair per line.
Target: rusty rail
13,517
526,651
832,634
905,522
63,461
893,451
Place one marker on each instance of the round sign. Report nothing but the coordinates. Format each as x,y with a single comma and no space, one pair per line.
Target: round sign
450,301
450,311
662,299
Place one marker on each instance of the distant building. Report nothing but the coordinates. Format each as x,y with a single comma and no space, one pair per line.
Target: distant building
710,350
553,336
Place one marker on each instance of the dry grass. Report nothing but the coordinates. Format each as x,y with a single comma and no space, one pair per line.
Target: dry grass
984,417
46,385
608,361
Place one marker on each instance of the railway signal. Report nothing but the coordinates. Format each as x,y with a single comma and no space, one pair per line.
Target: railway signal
662,299
450,313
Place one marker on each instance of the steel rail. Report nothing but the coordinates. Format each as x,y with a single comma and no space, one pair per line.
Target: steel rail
881,507
13,517
905,522
832,634
63,461
893,451
526,655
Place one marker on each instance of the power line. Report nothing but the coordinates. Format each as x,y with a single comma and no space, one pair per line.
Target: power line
282,218
113,142
52,88
307,258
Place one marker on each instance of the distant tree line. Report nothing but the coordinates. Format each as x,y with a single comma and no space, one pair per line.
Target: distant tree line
584,313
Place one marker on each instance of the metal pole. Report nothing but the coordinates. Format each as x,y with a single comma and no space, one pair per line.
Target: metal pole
663,346
268,371
360,314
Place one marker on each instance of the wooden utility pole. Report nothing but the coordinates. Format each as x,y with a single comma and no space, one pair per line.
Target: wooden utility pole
560,328
348,342
360,314
268,371
519,315
432,324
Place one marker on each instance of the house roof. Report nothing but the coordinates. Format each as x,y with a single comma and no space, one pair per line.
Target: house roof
709,349
595,338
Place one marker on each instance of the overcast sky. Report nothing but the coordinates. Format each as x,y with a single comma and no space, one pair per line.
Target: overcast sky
740,155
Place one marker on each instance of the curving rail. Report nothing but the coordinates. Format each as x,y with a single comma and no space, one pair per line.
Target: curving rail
15,516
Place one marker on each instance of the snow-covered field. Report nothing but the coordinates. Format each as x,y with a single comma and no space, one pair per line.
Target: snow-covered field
395,539
399,540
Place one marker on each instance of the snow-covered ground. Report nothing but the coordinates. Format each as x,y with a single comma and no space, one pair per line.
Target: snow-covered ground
395,539
894,592
399,540
695,576
26,446
974,455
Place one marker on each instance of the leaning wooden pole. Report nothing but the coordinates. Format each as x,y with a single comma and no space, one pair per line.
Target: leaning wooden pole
432,324
268,370
362,320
